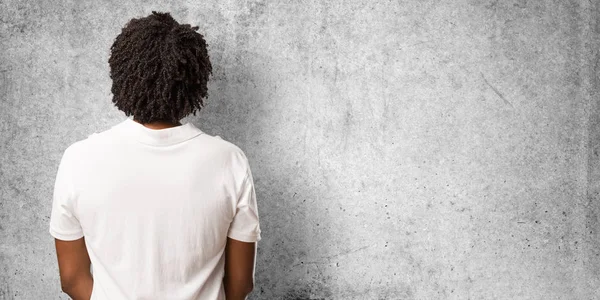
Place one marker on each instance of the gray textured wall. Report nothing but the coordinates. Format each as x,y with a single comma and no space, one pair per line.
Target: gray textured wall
400,149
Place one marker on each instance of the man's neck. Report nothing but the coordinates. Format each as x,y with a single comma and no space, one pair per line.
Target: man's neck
159,124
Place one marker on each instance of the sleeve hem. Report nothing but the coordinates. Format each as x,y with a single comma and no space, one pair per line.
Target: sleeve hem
244,237
66,236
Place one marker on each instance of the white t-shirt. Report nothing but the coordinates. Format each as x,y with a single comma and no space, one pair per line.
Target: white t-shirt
155,208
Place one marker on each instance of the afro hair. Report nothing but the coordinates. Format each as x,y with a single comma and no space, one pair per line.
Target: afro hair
159,69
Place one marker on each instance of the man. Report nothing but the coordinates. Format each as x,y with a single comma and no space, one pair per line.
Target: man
152,208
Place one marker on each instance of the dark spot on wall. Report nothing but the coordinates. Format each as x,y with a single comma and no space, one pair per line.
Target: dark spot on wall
311,291
5,291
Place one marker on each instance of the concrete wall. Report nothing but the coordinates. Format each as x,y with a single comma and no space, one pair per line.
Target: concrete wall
400,149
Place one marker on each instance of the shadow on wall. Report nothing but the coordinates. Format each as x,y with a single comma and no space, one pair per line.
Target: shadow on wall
291,262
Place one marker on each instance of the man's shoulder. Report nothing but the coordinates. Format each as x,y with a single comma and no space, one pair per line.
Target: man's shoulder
77,149
91,141
220,146
223,144
227,150
81,144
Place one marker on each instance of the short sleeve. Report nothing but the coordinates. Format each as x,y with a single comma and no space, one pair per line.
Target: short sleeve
64,224
245,225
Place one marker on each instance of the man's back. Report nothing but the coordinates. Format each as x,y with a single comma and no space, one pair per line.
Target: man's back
155,208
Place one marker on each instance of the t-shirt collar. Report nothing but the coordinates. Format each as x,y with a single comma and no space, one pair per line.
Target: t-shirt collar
160,137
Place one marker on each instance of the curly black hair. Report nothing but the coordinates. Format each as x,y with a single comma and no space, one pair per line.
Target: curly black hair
159,69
